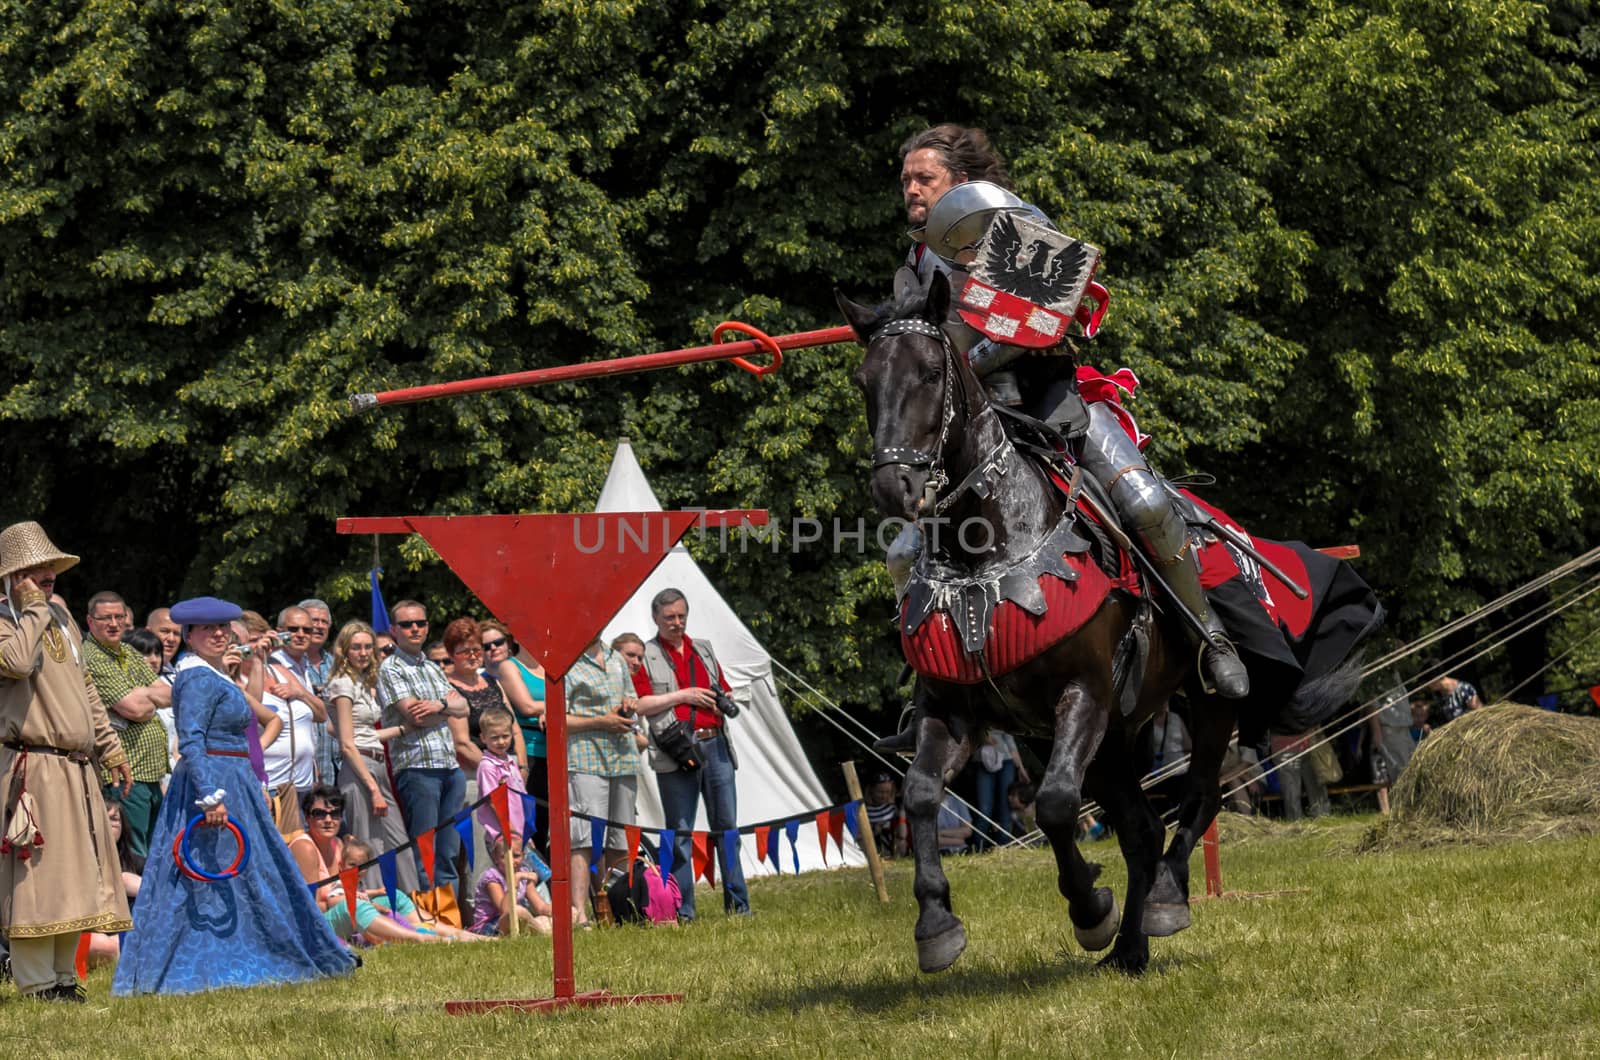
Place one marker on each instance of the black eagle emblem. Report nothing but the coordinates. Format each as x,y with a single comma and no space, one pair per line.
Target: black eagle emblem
1033,270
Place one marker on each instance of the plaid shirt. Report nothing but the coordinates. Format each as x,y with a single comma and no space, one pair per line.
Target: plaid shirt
593,689
115,674
404,676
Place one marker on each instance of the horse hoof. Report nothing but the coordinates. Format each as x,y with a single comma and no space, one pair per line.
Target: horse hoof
1094,939
940,952
1163,919
1126,963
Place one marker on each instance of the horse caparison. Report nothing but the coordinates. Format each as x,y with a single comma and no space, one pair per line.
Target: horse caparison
931,422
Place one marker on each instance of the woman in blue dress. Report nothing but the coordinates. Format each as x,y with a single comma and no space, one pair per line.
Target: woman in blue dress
260,926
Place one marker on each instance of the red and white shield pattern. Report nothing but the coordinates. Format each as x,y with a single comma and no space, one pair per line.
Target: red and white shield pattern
1010,319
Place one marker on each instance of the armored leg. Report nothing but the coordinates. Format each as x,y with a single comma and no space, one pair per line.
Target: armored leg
1144,506
901,558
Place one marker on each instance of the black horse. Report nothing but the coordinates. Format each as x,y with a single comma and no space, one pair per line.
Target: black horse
1024,624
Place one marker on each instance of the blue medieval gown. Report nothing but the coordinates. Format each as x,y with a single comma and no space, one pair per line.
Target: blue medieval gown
261,926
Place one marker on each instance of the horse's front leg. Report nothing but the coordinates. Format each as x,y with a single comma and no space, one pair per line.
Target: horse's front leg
1080,726
1114,783
1210,727
940,936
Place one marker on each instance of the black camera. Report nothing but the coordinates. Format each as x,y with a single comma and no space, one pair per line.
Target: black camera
725,703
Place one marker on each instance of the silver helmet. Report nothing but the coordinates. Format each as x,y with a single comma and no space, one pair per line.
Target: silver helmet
959,219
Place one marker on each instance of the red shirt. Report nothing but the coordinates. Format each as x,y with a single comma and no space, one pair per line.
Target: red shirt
699,678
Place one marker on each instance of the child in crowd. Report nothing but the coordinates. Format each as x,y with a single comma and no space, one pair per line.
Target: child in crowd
355,852
492,905
499,767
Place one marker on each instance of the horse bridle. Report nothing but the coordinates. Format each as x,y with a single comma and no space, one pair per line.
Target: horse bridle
919,459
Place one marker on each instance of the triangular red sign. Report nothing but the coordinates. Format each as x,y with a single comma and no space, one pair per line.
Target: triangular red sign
554,580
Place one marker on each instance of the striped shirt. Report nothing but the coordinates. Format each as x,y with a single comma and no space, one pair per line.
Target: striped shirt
406,676
595,689
115,673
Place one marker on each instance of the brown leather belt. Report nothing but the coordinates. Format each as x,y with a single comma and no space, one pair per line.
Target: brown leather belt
79,757
227,754
707,734
376,756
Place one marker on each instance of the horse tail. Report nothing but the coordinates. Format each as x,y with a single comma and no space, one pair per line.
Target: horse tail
1318,699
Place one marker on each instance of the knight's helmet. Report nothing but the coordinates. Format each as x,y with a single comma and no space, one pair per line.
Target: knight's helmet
957,222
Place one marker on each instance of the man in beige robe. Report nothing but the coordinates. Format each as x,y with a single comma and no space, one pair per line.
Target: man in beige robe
53,733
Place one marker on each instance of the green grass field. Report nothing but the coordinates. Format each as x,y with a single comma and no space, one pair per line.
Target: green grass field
1452,951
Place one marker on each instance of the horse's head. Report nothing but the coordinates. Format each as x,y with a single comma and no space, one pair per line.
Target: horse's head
917,390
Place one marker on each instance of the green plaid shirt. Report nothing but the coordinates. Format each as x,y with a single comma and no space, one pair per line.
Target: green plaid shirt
593,689
115,674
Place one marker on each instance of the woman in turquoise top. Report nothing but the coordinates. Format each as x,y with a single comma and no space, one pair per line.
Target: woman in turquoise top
524,688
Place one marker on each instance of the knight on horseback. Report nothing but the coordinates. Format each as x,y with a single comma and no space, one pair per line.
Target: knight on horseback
954,184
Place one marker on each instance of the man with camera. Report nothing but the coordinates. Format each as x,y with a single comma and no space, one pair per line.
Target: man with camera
685,697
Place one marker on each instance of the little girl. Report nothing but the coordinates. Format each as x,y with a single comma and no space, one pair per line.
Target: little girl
404,923
491,906
498,767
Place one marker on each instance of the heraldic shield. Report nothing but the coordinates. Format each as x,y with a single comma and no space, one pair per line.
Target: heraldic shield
1029,282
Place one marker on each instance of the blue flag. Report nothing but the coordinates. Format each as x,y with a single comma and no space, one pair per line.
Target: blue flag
793,828
530,820
391,881
464,830
772,850
1548,702
852,814
380,612
668,840
597,839
730,851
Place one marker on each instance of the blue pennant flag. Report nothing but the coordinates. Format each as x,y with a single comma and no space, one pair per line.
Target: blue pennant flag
530,820
1548,702
852,815
380,612
597,839
313,893
464,830
772,850
793,829
668,840
730,850
391,880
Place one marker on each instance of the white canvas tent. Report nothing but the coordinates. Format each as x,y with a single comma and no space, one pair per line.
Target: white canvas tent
774,778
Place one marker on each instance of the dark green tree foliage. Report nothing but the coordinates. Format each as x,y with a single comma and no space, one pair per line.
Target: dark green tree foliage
1351,249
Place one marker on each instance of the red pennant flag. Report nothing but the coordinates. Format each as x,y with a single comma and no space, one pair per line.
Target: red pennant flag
700,856
822,834
836,830
631,833
1594,694
425,849
761,842
350,879
80,963
500,799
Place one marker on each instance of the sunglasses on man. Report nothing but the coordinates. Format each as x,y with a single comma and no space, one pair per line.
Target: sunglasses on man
411,623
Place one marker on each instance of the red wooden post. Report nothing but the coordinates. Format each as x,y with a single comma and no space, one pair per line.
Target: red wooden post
1210,844
561,883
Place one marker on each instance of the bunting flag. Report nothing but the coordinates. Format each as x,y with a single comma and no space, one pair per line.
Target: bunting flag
314,895
464,830
424,844
1594,694
388,868
631,833
702,859
597,842
836,831
668,839
80,960
350,880
822,837
380,612
1548,702
852,820
792,827
762,831
730,849
500,799
530,818
771,847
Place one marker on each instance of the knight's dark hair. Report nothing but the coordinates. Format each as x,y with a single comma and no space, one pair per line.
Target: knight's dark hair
965,152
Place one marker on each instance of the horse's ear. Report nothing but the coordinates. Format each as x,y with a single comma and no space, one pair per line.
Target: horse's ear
938,307
859,317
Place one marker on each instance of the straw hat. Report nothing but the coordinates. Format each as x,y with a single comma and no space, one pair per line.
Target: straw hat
25,545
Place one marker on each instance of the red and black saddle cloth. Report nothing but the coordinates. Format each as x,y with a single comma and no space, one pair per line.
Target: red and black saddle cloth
962,628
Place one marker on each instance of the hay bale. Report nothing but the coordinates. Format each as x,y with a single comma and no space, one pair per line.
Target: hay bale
1503,772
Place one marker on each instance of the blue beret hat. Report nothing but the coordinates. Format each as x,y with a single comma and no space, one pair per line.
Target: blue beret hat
204,611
